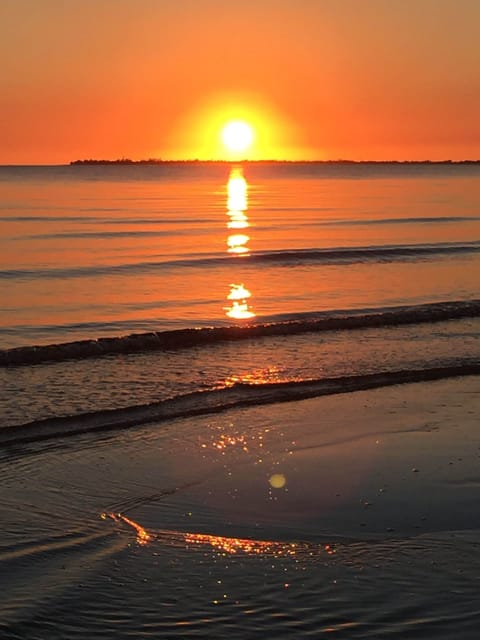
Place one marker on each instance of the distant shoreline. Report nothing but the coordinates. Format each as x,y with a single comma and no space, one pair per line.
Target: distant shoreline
128,161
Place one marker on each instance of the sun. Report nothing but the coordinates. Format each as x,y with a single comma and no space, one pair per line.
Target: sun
237,136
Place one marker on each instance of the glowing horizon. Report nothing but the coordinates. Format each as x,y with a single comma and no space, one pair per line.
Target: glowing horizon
312,82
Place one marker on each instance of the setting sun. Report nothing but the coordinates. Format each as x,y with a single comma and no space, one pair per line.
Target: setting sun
237,135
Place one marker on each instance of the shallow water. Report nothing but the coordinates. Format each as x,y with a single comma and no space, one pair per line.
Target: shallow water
375,532
103,251
114,382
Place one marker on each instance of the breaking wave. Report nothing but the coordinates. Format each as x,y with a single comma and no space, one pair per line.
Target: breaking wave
220,399
192,337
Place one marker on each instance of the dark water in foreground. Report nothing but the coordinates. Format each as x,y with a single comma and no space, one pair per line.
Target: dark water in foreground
353,514
160,475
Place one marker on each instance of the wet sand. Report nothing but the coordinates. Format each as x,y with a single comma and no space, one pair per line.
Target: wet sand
355,513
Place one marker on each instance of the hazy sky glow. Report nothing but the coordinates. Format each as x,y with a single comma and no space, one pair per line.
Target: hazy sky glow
359,79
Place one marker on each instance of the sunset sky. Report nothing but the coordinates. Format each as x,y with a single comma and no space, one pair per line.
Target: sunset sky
316,79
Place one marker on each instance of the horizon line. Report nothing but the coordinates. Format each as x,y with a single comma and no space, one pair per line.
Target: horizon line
153,161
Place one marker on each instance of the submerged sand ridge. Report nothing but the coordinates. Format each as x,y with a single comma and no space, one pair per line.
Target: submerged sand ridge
228,395
396,461
375,529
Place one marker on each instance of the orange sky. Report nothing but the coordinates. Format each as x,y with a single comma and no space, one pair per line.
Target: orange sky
359,79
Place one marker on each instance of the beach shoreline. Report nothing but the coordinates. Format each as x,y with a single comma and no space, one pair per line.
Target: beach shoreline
411,425
304,494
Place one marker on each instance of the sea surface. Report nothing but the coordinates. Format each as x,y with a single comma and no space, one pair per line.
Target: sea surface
145,299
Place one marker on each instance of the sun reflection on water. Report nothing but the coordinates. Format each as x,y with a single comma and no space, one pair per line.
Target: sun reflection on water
239,309
225,441
142,536
237,190
223,544
256,376
244,545
237,243
237,204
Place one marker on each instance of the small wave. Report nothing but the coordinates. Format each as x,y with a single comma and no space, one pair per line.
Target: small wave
350,255
42,546
130,221
43,219
192,337
358,222
405,220
217,400
337,255
106,234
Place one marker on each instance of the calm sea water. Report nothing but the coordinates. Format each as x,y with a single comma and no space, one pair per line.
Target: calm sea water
149,294
93,251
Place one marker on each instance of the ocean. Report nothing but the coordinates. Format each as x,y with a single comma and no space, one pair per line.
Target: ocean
154,316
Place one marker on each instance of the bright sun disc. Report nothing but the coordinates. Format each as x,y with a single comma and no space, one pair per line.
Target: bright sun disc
237,135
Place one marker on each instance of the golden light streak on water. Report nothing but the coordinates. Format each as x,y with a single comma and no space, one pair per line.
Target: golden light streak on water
142,536
225,545
237,205
238,220
237,190
238,292
239,309
237,243
225,441
235,545
257,376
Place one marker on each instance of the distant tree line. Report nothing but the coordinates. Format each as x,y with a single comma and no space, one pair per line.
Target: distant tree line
118,161
129,161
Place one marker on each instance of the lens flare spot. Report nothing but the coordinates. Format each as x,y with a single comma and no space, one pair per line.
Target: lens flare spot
277,481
